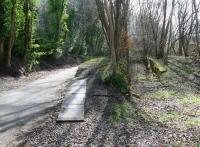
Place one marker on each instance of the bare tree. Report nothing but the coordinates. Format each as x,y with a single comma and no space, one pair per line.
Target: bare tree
196,11
155,19
114,16
185,27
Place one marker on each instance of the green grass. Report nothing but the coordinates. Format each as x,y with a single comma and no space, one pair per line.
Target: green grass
170,117
169,74
117,80
193,121
143,116
143,77
93,61
105,71
190,98
188,69
161,94
182,65
119,111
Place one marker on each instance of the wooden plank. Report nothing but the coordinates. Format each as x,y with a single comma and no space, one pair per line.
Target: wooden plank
72,113
73,105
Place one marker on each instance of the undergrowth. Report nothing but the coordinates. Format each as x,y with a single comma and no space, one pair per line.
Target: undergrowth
92,61
117,80
118,111
161,94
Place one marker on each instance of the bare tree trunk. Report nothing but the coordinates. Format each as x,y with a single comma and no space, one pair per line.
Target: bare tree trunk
197,26
128,49
180,48
168,45
185,28
12,32
113,16
162,39
185,48
114,59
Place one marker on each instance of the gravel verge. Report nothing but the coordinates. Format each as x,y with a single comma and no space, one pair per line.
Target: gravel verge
142,128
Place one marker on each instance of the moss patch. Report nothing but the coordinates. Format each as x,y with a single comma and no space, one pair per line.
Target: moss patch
193,121
181,66
161,94
92,61
190,99
145,117
143,77
188,69
170,117
119,111
157,66
105,72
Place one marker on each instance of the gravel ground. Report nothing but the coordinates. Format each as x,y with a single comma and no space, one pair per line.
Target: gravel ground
168,104
143,126
52,134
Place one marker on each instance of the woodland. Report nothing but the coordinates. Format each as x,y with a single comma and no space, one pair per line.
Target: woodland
146,54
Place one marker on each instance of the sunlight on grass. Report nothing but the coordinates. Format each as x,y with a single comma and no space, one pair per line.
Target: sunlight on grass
162,94
142,77
190,98
145,117
193,121
92,61
106,72
170,117
119,111
169,74
180,66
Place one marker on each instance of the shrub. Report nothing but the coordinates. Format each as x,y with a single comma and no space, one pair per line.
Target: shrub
119,79
120,82
33,57
106,73
119,112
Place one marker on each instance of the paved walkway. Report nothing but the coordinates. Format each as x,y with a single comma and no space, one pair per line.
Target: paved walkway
20,107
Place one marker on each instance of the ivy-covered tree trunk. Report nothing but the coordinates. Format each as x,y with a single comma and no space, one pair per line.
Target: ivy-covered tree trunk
27,32
1,29
1,51
12,32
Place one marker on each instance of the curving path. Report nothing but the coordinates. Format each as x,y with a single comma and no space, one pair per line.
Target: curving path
20,109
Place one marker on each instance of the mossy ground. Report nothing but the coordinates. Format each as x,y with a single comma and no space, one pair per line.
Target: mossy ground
173,100
161,94
168,106
92,61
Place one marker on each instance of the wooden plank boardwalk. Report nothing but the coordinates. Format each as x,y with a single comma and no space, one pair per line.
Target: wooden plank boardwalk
73,105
